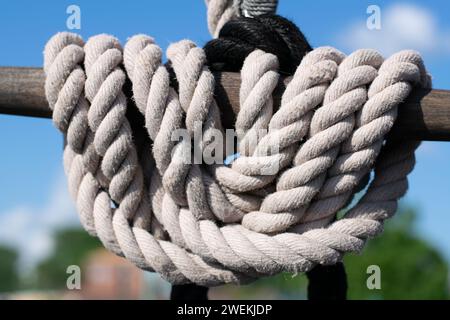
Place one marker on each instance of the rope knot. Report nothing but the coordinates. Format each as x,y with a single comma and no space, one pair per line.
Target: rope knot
269,33
214,223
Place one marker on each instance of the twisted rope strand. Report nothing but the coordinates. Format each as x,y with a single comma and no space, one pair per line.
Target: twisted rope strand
359,152
330,125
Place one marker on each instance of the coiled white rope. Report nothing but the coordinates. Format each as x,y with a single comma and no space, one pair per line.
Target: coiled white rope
214,224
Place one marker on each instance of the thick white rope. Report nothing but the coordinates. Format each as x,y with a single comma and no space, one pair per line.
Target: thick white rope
214,224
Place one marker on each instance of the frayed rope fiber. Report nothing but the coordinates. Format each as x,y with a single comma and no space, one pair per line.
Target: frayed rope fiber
217,223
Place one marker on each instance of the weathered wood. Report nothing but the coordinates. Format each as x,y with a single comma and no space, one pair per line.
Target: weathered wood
425,115
22,92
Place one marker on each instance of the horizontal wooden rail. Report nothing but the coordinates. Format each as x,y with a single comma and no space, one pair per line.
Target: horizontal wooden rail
425,115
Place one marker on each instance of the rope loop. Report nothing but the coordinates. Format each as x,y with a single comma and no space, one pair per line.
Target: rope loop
271,206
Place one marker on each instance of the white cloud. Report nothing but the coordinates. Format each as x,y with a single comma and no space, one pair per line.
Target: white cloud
403,26
30,229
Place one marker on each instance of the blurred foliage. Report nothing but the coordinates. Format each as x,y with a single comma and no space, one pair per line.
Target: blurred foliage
410,269
71,248
9,278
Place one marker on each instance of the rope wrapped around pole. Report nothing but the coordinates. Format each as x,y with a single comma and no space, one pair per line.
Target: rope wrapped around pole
268,211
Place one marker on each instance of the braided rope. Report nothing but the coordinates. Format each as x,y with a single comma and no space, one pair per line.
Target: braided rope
214,224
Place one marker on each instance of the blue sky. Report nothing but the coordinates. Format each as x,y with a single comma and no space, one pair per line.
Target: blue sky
33,193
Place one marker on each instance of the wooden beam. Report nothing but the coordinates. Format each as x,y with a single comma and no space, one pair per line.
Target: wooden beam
22,92
425,115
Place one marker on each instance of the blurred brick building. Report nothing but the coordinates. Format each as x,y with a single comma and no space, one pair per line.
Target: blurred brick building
107,276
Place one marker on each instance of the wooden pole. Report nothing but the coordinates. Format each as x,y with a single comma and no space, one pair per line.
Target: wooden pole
22,92
425,115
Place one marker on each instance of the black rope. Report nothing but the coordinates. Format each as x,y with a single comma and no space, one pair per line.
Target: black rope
327,282
186,292
270,33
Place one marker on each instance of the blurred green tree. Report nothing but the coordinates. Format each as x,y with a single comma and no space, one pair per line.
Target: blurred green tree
9,278
411,268
71,247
